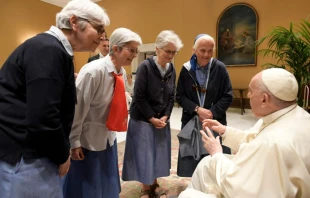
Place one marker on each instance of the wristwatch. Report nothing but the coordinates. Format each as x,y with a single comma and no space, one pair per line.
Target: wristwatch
196,109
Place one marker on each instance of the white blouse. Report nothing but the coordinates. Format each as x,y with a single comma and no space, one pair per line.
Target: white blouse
94,87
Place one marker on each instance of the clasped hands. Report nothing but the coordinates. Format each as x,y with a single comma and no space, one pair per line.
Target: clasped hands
210,143
204,114
159,123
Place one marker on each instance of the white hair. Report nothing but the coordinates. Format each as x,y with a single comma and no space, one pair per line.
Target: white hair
85,9
205,37
121,36
168,36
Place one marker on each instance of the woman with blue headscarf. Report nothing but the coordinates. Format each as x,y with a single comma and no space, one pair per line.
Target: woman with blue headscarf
204,90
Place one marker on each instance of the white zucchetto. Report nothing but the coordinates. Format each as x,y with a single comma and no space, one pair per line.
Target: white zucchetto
281,83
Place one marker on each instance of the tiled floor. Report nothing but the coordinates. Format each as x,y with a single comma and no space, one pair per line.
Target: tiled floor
234,119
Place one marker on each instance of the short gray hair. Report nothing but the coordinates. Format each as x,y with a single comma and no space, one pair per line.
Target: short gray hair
168,36
205,37
85,9
121,36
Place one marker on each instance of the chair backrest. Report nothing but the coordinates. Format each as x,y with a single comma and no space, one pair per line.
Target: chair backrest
306,98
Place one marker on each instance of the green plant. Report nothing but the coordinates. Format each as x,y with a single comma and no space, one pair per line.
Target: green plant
290,48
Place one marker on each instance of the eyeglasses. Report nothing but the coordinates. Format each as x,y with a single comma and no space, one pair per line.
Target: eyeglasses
98,27
169,52
132,51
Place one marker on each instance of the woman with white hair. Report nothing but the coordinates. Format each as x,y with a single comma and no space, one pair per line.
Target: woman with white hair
76,18
37,100
204,92
148,143
94,166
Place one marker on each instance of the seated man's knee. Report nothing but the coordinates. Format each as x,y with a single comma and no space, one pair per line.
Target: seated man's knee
192,193
204,163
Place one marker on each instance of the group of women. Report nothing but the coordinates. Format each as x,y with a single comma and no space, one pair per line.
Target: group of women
148,143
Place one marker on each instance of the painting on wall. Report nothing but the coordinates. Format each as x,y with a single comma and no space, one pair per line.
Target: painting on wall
236,35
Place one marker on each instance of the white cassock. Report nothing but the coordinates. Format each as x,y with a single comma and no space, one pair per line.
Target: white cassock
273,160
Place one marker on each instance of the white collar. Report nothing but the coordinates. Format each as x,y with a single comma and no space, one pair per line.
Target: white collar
268,119
56,32
111,66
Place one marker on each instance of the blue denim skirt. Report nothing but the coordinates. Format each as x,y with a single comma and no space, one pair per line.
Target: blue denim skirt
147,152
30,178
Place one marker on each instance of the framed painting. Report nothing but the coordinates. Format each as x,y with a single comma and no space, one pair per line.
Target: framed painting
236,35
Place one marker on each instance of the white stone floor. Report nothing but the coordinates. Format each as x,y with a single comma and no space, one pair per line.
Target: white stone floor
234,119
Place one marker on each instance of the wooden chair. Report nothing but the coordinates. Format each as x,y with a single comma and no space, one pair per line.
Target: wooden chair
306,98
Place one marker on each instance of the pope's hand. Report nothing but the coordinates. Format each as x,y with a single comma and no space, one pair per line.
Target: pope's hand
211,144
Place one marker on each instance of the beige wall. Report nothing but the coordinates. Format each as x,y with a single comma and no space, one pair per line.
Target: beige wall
188,18
22,19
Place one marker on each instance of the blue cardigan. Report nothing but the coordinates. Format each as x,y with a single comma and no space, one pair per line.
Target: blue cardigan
154,95
37,101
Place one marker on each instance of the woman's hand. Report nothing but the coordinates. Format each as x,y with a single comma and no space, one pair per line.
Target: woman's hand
204,114
164,119
158,123
77,153
64,168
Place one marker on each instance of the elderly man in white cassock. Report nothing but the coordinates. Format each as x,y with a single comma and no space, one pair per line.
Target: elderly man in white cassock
272,159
